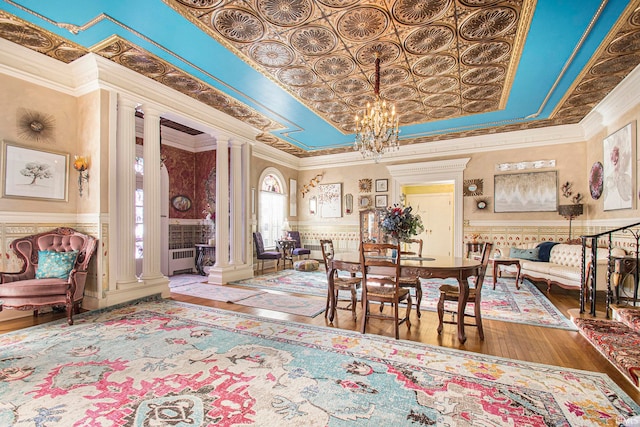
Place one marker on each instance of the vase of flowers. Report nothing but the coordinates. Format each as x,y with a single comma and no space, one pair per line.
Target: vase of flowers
400,224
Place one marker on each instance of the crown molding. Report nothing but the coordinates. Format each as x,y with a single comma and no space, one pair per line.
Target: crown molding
34,67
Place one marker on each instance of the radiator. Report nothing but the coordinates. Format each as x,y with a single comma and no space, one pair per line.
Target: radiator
181,260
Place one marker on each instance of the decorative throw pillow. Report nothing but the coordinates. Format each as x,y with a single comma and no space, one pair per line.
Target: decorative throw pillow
58,265
528,254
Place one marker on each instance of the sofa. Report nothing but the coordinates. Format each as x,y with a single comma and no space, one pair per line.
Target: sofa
54,271
563,267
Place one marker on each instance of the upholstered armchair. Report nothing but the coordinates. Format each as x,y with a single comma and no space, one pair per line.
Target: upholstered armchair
298,250
54,271
261,254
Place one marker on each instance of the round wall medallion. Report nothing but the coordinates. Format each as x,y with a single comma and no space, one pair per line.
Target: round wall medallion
596,180
181,203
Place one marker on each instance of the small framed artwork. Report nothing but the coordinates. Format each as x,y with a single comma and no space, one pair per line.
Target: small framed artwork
33,173
381,201
181,203
382,185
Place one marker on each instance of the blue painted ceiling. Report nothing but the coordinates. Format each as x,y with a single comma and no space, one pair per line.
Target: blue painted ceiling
298,70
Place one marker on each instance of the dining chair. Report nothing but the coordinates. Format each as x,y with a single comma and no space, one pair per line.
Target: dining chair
351,284
381,284
261,254
298,250
413,247
452,293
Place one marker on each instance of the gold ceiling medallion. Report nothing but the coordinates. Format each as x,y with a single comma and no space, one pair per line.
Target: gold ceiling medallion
377,131
36,126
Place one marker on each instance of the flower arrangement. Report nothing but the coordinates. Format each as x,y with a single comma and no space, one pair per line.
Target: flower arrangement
400,223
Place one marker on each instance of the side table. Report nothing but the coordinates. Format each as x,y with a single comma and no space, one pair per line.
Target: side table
621,268
205,255
497,262
287,246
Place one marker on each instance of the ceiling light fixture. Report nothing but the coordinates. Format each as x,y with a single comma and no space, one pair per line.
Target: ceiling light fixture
377,131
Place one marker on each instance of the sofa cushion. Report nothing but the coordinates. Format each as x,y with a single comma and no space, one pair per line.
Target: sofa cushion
528,254
544,250
52,264
536,267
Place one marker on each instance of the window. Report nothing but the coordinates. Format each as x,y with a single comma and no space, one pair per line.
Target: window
272,207
139,206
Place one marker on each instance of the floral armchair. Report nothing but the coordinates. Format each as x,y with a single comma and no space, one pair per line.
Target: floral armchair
54,271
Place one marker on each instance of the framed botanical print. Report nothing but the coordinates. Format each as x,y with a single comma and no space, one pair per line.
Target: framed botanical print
381,201
382,185
30,173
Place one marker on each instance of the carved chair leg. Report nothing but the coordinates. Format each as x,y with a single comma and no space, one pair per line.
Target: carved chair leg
440,313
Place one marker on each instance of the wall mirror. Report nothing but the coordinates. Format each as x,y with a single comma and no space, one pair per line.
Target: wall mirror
313,205
348,203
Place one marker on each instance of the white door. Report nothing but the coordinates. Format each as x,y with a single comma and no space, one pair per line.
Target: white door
436,211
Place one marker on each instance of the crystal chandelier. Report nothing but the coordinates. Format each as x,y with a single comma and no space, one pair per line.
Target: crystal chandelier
377,130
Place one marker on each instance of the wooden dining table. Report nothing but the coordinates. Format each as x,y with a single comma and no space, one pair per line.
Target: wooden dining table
441,267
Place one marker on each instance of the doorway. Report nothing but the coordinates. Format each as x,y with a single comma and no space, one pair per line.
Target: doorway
434,204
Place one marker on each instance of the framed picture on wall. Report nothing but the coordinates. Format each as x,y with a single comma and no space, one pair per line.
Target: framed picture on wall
382,185
330,199
30,173
618,179
526,192
381,201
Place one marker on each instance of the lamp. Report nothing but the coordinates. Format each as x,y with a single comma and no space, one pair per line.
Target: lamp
286,228
377,130
81,164
570,212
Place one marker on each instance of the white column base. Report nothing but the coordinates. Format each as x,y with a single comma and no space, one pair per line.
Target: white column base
230,273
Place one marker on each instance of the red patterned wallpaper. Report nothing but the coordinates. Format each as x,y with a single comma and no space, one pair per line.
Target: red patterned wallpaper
187,175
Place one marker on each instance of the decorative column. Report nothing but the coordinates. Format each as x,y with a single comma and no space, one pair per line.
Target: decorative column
232,254
126,186
222,203
236,242
151,187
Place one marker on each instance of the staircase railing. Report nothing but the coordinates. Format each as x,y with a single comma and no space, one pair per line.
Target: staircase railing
591,267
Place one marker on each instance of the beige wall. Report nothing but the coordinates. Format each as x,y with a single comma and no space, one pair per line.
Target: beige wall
17,95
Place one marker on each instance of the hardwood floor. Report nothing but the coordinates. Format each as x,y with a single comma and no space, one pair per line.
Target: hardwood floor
510,340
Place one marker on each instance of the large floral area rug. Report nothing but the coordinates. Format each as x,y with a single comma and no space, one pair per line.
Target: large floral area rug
165,363
215,292
528,305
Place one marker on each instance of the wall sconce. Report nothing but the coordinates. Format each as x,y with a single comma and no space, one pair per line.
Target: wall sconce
81,164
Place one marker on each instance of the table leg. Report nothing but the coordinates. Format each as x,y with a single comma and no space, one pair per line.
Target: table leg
462,304
518,275
495,274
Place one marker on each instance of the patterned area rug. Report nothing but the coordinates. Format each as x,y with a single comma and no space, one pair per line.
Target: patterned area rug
616,341
286,304
527,305
185,279
215,292
168,363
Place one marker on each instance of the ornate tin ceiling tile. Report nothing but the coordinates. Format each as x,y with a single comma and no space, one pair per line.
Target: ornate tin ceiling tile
438,84
338,3
335,66
200,4
313,40
430,39
316,93
442,100
419,12
397,93
485,53
483,75
432,65
482,92
332,107
297,76
238,25
286,13
272,54
359,102
351,86
362,24
489,23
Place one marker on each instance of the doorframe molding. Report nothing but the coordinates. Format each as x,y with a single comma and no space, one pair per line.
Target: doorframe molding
440,172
